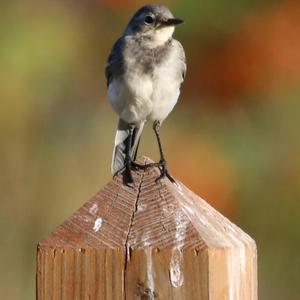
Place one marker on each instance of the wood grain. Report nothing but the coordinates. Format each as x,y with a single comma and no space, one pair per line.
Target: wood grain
153,240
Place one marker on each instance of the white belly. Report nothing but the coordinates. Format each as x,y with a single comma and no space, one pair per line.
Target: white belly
166,90
141,97
132,98
164,97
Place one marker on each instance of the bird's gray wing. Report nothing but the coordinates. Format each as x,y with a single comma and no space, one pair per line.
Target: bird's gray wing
115,61
182,59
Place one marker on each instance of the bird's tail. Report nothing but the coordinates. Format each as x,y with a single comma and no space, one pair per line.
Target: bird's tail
119,152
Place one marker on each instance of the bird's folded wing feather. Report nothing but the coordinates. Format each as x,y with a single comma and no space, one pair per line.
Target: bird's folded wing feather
119,152
182,59
115,62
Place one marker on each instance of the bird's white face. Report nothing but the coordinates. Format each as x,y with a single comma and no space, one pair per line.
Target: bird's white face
161,35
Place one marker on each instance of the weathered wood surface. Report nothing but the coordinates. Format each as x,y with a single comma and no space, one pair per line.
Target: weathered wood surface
150,241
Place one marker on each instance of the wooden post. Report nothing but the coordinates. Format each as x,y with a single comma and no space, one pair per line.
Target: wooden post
151,241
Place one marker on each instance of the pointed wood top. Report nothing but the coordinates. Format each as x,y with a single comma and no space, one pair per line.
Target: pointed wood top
149,214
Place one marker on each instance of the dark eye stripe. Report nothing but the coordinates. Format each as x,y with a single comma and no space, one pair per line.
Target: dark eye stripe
149,20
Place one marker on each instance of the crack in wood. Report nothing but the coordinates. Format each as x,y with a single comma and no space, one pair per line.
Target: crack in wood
127,247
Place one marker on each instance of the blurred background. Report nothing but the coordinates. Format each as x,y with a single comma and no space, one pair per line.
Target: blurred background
233,137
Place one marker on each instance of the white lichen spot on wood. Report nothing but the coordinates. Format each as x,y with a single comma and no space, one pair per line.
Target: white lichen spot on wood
150,271
141,207
176,275
97,224
93,209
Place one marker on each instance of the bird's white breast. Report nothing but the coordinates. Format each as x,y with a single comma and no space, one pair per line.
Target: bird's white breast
138,96
130,96
166,88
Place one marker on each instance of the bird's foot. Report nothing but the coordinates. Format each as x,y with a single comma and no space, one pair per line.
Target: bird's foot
162,165
164,171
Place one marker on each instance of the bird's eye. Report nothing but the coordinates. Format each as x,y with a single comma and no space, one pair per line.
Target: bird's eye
148,20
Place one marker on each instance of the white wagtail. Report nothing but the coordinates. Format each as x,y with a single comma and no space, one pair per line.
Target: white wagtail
144,72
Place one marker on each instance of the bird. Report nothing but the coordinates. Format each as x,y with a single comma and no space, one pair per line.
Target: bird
144,73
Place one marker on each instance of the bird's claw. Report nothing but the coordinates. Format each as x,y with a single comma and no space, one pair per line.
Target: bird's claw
129,164
164,171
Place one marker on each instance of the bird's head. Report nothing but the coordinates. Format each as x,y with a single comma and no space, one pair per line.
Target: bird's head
155,22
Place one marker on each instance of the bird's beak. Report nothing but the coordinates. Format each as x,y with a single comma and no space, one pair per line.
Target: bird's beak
172,22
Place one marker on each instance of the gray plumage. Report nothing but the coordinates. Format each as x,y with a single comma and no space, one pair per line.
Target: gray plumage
144,72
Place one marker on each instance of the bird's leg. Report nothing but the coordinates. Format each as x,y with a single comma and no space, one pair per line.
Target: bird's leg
162,162
128,159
